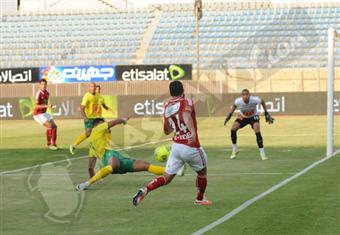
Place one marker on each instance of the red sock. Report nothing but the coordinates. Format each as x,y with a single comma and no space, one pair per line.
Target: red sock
48,135
156,183
54,136
201,184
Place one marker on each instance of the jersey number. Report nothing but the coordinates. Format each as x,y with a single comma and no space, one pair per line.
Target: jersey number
180,126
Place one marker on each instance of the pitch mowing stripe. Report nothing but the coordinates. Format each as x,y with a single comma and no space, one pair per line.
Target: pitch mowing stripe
258,197
77,158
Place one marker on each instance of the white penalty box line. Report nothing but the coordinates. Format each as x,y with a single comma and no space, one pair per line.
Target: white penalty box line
261,195
77,158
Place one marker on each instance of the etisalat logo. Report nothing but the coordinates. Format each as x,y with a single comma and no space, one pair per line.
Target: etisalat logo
172,72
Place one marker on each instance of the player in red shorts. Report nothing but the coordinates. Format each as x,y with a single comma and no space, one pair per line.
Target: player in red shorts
40,115
180,118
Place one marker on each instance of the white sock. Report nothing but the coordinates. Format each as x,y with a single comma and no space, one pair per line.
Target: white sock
262,151
234,146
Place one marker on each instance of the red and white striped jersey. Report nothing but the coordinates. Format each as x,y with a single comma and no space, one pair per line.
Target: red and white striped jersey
41,98
173,116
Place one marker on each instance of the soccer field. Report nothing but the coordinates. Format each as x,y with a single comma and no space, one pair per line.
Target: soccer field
42,200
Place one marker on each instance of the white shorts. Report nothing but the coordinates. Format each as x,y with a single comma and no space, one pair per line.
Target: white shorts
42,118
180,154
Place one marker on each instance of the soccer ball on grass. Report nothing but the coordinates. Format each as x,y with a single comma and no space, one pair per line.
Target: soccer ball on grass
162,153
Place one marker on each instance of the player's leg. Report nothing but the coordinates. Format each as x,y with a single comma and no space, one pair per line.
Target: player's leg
49,133
197,160
173,164
83,136
154,184
111,164
54,132
201,184
233,135
259,139
42,120
91,166
139,165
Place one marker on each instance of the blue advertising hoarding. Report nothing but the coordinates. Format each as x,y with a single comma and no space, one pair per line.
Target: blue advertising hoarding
73,74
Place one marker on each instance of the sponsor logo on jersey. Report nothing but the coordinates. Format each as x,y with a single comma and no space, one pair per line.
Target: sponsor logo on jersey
172,109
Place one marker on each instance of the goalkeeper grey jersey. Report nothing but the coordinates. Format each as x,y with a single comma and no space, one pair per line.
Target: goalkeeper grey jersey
250,109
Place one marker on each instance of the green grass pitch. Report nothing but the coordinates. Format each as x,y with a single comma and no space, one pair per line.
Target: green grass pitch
41,200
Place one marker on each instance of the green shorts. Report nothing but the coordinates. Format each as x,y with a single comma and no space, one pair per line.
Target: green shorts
89,124
125,164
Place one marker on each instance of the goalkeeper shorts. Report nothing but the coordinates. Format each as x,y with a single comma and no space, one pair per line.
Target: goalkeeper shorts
245,121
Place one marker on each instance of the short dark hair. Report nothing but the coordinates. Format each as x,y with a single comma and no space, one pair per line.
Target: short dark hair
176,88
43,80
97,121
98,86
245,90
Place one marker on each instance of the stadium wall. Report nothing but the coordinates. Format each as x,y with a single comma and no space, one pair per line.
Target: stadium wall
208,104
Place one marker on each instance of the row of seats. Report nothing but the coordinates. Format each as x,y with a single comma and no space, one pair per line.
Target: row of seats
235,34
110,36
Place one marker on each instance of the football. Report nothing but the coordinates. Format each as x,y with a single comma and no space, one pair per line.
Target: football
162,153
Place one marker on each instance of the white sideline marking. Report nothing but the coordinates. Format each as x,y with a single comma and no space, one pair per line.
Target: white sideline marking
258,197
81,157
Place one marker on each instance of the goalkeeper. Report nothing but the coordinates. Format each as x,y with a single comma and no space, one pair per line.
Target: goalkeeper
247,104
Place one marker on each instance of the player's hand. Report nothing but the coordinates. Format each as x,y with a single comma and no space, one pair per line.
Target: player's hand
124,120
50,106
269,118
191,140
227,119
87,120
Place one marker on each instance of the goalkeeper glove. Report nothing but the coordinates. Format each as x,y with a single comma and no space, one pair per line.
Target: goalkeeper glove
269,118
227,118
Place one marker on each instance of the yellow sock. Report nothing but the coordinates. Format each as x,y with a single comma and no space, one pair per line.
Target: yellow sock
102,173
157,170
80,139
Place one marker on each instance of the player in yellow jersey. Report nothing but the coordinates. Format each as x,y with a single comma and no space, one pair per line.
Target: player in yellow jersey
102,101
113,161
91,109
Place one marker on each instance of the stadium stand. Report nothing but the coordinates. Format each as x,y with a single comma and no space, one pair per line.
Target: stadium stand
240,44
44,40
235,34
225,35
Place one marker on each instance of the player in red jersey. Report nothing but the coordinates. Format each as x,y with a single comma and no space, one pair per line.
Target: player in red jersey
180,118
40,115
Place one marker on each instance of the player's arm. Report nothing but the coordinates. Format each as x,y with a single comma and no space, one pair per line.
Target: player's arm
82,111
117,122
190,124
42,106
269,118
107,107
167,128
230,114
84,102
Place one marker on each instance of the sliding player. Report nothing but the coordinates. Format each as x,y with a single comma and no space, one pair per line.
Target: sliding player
180,117
113,161
247,104
41,104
